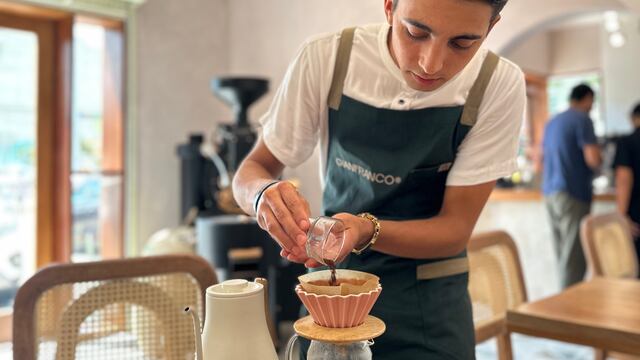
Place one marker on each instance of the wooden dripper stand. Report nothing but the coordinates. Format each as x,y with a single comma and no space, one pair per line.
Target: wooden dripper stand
339,326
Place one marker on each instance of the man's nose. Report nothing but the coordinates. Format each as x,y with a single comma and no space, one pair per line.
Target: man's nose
432,58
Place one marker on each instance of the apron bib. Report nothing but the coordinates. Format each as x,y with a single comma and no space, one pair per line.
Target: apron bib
394,164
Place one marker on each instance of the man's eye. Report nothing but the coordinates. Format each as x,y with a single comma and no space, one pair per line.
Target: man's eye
416,36
462,44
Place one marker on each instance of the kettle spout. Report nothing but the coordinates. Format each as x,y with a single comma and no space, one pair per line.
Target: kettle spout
196,332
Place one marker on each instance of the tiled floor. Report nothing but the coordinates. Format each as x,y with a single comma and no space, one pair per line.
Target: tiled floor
528,348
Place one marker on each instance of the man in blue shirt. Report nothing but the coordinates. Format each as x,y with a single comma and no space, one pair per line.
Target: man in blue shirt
571,155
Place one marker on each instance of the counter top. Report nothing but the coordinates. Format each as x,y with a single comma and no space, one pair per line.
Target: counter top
502,194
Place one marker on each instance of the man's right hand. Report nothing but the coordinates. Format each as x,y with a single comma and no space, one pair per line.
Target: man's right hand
634,227
284,214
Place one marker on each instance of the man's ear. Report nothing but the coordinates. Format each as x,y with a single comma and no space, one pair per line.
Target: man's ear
494,22
388,10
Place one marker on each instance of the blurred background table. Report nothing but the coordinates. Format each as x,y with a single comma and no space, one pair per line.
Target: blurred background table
602,313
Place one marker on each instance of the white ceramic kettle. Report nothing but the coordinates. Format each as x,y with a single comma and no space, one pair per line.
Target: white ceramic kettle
235,327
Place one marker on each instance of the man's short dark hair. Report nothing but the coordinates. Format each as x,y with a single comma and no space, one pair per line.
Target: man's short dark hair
580,92
635,113
497,5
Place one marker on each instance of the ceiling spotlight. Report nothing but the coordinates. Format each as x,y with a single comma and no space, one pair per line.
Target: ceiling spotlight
617,39
611,21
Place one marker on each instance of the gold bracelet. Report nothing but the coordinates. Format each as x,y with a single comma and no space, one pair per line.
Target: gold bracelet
374,237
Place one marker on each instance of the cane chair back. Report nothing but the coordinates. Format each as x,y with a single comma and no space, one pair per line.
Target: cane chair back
115,309
496,285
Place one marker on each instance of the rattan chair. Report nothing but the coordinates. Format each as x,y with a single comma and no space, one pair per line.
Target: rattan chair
608,246
115,309
496,285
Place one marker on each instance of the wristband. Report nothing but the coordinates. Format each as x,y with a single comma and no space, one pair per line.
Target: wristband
258,196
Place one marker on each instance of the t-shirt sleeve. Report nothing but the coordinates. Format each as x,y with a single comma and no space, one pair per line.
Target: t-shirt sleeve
489,150
586,134
623,154
290,126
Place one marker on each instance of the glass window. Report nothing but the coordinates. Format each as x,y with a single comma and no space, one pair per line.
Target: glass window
96,197
18,119
87,99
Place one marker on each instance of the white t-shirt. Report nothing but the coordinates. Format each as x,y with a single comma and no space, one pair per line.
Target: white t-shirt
298,116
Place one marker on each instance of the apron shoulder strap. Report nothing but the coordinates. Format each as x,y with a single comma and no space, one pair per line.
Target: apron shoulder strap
472,106
340,69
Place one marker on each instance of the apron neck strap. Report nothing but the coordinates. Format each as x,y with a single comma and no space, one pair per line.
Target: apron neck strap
472,106
340,69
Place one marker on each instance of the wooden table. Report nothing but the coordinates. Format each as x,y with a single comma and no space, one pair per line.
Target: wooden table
602,313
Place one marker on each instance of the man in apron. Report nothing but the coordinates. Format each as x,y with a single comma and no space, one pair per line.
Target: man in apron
415,123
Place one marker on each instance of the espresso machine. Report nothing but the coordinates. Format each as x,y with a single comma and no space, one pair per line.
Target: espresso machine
231,241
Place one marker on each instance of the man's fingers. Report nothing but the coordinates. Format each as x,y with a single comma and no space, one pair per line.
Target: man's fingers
296,204
272,226
312,264
297,259
283,214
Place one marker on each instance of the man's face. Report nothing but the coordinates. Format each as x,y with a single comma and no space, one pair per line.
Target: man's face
433,40
587,103
590,100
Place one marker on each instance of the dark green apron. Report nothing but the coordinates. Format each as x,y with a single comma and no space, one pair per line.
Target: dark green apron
394,164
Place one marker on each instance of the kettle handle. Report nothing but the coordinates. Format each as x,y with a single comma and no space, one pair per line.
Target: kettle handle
272,328
289,349
196,331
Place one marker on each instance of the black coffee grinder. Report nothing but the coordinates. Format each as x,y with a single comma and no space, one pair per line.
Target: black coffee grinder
206,177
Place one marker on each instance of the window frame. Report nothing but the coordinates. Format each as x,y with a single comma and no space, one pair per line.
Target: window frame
54,29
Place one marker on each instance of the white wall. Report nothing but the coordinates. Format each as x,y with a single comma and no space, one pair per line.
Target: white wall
533,55
576,49
564,50
622,80
181,44
520,18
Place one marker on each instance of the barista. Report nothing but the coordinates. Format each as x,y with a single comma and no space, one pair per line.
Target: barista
415,123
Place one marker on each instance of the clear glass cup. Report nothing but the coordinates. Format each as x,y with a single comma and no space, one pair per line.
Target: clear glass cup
325,240
359,350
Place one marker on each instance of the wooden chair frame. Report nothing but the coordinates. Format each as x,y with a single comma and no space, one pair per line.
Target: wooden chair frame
594,263
498,327
589,223
24,321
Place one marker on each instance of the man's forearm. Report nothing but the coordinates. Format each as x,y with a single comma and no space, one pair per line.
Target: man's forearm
440,236
624,183
249,179
444,235
258,168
